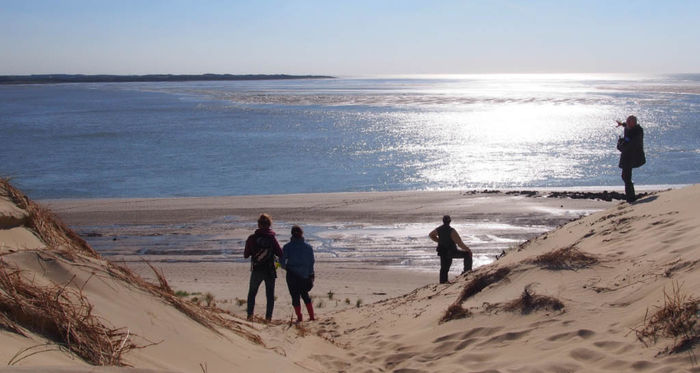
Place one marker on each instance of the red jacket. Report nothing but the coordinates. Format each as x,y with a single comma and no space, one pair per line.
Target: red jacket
251,241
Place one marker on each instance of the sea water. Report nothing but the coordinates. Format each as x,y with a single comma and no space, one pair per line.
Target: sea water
334,135
345,134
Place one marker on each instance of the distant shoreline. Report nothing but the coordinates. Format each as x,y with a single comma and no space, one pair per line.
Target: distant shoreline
80,78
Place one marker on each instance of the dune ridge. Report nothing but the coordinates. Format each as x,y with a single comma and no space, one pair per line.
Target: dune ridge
65,306
584,297
630,258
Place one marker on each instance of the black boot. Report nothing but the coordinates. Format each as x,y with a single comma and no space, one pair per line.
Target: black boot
629,192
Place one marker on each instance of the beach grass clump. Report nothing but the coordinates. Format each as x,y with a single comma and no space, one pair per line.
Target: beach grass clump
480,282
51,230
62,315
454,312
64,242
209,299
677,318
208,317
529,302
301,329
567,258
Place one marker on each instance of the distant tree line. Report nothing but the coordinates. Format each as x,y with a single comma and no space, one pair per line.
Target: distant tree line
80,78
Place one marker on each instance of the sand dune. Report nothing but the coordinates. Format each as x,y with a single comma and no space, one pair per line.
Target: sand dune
609,270
640,251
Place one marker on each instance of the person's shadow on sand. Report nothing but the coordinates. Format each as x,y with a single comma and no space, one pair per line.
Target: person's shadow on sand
645,200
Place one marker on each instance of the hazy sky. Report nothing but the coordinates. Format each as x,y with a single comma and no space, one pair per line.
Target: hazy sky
353,37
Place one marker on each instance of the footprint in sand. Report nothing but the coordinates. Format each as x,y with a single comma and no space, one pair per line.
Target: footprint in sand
583,333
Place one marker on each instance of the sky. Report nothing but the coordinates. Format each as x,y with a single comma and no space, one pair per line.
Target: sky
349,38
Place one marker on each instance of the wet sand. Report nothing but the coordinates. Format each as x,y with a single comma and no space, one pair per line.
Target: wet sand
368,246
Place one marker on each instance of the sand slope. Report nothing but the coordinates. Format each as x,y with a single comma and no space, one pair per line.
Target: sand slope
640,251
172,341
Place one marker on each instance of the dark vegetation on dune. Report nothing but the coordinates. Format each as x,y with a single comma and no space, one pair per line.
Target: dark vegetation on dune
677,318
567,258
476,285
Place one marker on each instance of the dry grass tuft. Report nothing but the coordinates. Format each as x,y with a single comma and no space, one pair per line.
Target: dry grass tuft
565,258
529,301
677,319
51,230
476,285
209,317
9,325
62,315
455,312
301,329
61,240
480,282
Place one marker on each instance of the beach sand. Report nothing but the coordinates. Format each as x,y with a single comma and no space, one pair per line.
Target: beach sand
621,264
370,272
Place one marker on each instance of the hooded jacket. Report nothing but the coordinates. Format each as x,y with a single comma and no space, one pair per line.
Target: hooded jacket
298,258
250,244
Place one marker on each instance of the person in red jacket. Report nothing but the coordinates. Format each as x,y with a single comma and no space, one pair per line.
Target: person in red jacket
262,247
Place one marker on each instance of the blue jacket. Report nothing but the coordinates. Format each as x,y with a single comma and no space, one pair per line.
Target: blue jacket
298,257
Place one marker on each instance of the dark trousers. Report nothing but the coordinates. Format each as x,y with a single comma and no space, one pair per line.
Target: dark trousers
298,288
446,263
629,186
257,277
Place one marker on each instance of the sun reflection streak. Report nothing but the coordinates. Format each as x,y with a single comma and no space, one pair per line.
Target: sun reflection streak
509,145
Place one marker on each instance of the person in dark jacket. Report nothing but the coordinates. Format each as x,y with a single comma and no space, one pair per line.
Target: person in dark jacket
631,147
448,239
262,247
298,260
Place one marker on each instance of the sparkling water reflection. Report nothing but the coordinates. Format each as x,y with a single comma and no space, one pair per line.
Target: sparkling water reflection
350,134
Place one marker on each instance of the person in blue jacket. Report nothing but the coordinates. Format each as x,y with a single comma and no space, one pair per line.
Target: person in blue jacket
298,260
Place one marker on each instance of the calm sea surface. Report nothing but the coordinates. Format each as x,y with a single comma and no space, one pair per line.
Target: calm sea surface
347,134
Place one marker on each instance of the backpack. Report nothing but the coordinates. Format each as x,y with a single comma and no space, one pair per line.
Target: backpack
262,252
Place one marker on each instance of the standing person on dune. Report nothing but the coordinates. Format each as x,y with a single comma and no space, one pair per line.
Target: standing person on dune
298,260
448,239
262,247
631,147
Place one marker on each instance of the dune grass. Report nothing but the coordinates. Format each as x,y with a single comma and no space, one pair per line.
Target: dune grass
677,318
529,302
454,312
51,230
567,258
480,282
63,314
473,287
